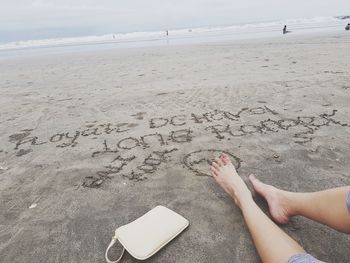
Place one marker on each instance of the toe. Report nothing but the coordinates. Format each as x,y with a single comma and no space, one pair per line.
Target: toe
225,159
257,184
253,179
215,165
214,171
218,161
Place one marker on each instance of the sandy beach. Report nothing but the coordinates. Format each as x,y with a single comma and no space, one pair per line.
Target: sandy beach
92,140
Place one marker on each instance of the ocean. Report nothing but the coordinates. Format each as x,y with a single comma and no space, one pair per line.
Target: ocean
184,36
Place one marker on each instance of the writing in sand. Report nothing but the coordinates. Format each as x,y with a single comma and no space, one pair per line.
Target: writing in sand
137,149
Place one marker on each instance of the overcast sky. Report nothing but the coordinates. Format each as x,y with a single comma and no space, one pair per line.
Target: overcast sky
32,19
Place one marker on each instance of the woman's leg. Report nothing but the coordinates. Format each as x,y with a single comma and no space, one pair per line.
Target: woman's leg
273,245
328,207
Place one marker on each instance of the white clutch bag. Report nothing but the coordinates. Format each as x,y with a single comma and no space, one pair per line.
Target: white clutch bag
146,235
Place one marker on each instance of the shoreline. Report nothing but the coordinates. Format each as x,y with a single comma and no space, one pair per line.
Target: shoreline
162,44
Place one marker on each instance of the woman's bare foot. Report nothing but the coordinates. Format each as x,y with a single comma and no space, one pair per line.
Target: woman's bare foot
275,198
227,177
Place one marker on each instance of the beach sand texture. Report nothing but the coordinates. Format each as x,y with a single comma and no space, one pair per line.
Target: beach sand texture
91,141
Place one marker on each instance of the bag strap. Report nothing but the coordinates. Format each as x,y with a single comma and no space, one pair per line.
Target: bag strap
113,241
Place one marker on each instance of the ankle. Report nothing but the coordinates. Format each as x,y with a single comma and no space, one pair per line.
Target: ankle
288,202
243,199
247,204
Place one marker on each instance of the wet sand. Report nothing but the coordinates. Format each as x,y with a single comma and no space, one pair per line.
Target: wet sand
91,141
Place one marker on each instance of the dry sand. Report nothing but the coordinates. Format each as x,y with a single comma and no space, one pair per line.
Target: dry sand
91,141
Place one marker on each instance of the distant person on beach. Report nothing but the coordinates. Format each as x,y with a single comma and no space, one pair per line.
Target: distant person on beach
285,29
330,207
167,33
347,27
